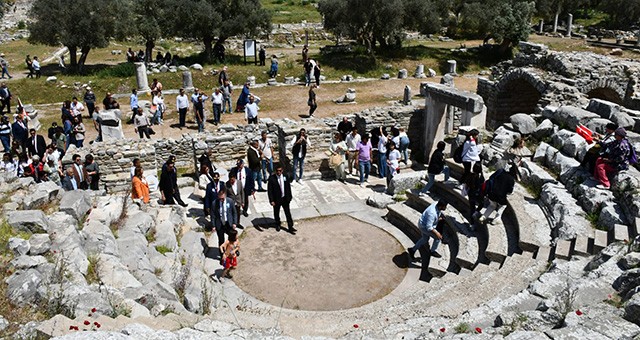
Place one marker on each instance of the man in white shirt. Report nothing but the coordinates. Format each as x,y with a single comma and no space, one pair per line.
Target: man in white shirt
76,107
182,104
266,150
36,67
352,141
251,111
216,98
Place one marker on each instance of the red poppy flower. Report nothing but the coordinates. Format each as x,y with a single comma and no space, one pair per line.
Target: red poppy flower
479,330
93,310
443,329
70,328
96,324
89,315
355,326
578,312
87,323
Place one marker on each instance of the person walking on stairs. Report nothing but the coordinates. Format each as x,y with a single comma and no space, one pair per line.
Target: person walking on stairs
431,225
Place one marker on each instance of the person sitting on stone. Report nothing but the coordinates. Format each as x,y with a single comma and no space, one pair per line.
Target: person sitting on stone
497,188
614,159
518,152
599,147
9,164
437,166
139,187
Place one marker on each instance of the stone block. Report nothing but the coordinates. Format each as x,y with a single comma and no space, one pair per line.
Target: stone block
600,240
405,181
33,221
572,116
563,250
523,123
39,244
620,232
19,246
76,203
581,246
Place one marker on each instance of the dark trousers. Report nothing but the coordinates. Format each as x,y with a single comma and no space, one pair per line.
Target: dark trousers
183,116
171,197
144,130
467,171
247,195
95,183
217,108
91,108
134,112
5,103
312,109
225,229
252,120
287,213
316,74
6,142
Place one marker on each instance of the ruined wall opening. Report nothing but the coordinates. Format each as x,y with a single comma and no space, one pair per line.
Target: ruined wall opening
605,93
516,96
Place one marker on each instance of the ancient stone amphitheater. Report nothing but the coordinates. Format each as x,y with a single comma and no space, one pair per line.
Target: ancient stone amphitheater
561,264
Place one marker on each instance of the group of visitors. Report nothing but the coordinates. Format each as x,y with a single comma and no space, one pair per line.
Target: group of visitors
611,153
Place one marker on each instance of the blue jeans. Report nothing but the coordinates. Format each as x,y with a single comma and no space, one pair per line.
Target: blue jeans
6,142
257,176
404,151
432,179
226,102
307,79
298,163
426,235
5,71
267,166
217,108
365,168
382,164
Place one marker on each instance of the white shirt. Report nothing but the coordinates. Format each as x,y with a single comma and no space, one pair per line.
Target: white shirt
394,156
54,156
217,98
352,141
265,147
470,151
281,180
251,110
77,108
35,64
382,144
241,176
10,166
295,139
182,101
79,169
158,101
223,211
234,187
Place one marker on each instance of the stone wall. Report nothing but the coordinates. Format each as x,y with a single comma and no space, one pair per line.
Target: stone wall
230,142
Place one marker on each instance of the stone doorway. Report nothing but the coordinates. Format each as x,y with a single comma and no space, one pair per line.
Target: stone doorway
515,96
605,93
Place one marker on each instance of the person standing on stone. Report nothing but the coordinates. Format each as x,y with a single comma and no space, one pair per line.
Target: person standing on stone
316,73
182,104
36,67
235,192
338,148
363,152
222,77
223,216
217,99
78,131
90,101
437,166
29,64
169,185
313,104
229,252
198,108
79,172
299,146
273,72
69,182
470,152
211,192
5,66
308,68
36,144
133,102
5,98
141,125
5,133
279,192
305,53
20,130
393,161
243,99
431,225
139,187
93,172
474,190
251,111
352,140
156,85
382,153
262,55
244,176
205,159
255,163
344,127
158,101
226,90
402,142
265,145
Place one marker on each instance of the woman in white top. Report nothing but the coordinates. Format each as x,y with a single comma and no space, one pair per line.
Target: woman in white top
204,180
470,152
393,161
79,130
339,147
158,102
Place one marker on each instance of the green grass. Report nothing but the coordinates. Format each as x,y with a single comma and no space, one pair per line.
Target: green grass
462,328
289,11
593,218
7,232
92,270
163,249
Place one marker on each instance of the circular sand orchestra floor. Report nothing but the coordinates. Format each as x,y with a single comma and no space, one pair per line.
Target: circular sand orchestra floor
332,263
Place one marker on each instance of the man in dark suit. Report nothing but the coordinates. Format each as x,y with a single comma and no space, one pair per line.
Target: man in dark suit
254,158
279,190
169,185
245,177
211,192
20,129
235,192
223,216
79,173
36,144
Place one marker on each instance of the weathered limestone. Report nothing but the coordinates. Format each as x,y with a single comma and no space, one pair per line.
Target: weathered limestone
187,80
76,203
141,77
405,181
402,74
419,72
452,66
569,25
406,98
33,221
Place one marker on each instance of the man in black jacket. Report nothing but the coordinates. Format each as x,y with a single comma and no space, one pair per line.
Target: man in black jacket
498,186
211,192
36,144
243,175
255,164
436,166
169,185
223,216
279,191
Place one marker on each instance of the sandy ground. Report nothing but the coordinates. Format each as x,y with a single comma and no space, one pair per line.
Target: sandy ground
331,263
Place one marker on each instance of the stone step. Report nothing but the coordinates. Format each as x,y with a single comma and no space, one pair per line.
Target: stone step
533,228
497,242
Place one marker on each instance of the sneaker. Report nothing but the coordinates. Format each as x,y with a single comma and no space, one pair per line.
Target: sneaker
482,219
362,185
601,187
436,254
422,194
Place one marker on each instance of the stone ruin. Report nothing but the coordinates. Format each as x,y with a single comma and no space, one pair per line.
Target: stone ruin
543,271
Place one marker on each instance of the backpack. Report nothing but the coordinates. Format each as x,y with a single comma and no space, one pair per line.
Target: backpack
457,154
487,186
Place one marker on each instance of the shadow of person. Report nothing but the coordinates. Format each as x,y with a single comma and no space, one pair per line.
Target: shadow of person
401,260
261,223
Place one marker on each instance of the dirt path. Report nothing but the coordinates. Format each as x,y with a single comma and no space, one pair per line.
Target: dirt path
331,263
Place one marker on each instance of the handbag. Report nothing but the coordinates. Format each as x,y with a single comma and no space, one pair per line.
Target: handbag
335,160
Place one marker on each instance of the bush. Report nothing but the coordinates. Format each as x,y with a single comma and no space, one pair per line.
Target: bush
122,70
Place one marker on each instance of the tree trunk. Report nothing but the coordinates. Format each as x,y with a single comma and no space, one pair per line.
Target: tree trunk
555,22
148,54
73,59
208,48
84,52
